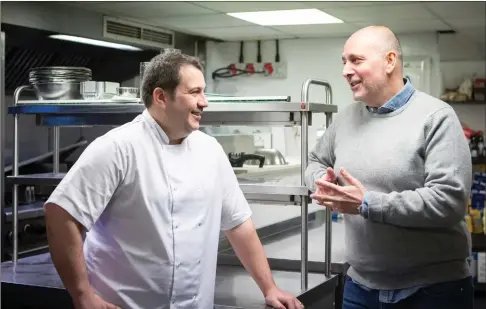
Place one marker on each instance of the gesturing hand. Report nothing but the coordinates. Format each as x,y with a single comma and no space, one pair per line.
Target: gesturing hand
345,199
331,177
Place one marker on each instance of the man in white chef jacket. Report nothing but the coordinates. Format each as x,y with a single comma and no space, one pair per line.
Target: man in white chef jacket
153,195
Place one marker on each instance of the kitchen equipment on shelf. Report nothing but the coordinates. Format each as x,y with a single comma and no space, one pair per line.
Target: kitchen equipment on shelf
94,90
58,83
238,159
143,65
272,157
128,92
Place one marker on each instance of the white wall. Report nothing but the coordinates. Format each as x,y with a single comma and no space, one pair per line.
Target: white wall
305,58
453,74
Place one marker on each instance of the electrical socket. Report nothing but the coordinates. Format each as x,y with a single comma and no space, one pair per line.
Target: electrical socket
279,70
258,68
241,66
250,68
231,68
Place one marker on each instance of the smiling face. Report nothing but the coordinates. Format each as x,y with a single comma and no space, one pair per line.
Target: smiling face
368,67
182,109
185,106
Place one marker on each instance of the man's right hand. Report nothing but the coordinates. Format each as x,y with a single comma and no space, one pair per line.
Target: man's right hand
330,176
92,301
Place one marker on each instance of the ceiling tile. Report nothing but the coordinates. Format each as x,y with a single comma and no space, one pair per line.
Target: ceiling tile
251,6
404,27
461,23
478,34
243,33
381,13
145,9
348,4
200,21
458,9
324,30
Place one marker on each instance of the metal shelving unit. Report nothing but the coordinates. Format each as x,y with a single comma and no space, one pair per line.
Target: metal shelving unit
259,111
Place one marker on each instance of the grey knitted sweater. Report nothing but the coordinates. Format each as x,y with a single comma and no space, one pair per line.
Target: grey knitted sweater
416,166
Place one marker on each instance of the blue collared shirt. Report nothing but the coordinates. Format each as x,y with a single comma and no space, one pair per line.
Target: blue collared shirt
396,102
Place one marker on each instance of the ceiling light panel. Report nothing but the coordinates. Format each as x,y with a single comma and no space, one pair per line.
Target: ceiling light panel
287,17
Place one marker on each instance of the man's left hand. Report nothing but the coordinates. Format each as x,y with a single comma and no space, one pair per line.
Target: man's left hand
281,300
345,199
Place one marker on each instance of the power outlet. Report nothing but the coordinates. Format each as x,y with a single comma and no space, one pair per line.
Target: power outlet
258,68
240,66
279,70
250,69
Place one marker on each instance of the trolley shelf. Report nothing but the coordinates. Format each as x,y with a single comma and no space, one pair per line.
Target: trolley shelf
109,107
222,110
248,187
94,113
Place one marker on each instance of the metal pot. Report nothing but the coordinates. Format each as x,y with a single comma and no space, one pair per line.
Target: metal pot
272,157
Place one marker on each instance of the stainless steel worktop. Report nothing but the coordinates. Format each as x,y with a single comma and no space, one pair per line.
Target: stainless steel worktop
234,286
289,247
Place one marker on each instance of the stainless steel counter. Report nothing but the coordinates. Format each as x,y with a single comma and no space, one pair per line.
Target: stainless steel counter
279,230
234,286
289,247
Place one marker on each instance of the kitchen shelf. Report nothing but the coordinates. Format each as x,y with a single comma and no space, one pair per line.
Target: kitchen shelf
90,107
260,111
248,187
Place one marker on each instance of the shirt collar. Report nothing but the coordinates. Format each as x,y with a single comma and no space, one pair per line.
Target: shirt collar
159,133
397,101
154,126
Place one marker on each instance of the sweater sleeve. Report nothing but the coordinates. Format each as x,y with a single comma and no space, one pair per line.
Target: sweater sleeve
442,202
320,158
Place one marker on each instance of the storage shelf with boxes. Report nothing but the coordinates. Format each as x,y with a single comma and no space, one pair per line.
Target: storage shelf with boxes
476,222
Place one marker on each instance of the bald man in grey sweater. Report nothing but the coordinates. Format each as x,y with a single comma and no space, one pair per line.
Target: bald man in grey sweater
398,165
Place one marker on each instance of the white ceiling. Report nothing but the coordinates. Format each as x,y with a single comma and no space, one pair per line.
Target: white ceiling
209,18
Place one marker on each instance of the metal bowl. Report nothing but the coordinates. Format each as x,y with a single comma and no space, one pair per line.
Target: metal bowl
58,91
272,157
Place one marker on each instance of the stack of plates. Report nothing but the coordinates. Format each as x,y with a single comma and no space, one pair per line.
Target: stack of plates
58,83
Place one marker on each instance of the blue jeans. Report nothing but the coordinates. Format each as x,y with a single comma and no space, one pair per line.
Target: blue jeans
447,295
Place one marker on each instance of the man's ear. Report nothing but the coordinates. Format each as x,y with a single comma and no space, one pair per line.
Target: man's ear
160,97
391,60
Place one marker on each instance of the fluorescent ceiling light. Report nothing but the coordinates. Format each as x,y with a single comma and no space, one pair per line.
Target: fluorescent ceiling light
93,42
287,17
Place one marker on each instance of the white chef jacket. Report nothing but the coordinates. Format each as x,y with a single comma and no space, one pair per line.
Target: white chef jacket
153,212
